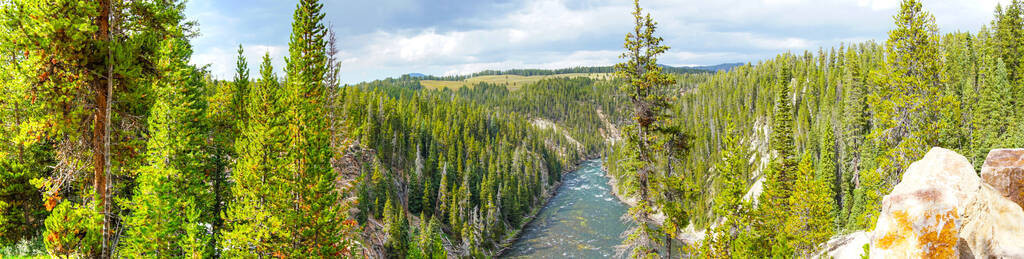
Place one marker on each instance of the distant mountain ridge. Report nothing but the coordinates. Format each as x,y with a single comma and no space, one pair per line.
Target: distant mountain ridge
598,69
720,67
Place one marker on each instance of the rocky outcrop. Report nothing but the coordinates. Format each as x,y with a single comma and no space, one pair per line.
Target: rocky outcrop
942,209
993,226
1004,171
921,218
849,246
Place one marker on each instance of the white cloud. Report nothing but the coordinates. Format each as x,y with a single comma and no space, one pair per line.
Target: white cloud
783,2
879,4
566,33
222,62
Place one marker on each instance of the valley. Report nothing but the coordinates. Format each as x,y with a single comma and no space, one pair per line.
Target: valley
124,134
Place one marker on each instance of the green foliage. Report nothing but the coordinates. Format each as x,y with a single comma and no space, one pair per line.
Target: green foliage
254,226
811,217
22,159
731,179
313,221
907,104
90,80
474,162
73,229
397,245
241,90
882,104
460,151
774,203
429,240
827,169
992,117
1008,43
172,199
650,138
730,185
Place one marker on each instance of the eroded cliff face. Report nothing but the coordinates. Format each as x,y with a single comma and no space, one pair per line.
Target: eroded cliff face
943,209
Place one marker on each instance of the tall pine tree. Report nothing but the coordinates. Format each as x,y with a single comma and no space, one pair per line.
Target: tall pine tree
86,62
253,220
773,205
646,136
906,105
810,219
172,202
314,219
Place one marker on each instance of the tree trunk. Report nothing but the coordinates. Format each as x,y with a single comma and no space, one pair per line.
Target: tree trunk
101,124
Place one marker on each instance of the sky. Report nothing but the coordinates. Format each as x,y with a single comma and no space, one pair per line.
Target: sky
388,38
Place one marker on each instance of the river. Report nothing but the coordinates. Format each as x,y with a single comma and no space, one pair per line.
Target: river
580,221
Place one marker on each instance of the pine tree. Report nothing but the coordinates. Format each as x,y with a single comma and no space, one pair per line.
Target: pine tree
645,137
314,219
443,197
76,55
430,239
1009,40
773,206
365,207
855,126
397,224
460,206
241,89
381,183
171,201
23,158
254,223
810,219
731,185
906,103
732,169
826,172
992,117
909,99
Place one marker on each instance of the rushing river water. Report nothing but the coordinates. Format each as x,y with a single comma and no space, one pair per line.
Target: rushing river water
580,221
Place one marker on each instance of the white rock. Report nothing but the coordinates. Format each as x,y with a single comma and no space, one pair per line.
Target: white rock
849,246
921,217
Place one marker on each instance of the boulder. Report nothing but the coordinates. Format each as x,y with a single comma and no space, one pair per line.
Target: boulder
1004,171
993,226
922,216
942,209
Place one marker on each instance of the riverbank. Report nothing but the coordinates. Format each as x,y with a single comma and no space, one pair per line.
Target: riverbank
511,238
614,183
689,234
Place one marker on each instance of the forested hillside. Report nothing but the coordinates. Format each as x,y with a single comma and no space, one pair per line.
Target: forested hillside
474,174
826,134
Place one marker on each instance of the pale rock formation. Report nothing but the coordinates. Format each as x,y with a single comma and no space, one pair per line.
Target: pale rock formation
848,246
922,216
942,209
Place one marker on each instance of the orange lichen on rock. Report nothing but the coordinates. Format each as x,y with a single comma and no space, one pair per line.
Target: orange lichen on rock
935,240
940,242
903,229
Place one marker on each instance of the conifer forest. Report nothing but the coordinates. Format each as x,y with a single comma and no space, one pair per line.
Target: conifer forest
115,143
